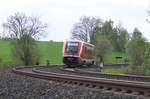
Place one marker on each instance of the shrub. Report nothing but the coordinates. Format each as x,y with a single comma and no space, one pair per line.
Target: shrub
139,70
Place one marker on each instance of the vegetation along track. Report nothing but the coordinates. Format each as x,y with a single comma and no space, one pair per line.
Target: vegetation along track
124,86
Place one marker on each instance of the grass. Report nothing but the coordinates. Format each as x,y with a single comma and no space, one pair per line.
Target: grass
5,51
111,70
51,51
111,57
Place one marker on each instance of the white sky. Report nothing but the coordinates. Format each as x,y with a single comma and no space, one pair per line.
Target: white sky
60,15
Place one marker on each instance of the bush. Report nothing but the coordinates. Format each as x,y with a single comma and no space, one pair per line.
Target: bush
139,50
136,48
139,70
8,64
25,50
125,70
102,47
0,62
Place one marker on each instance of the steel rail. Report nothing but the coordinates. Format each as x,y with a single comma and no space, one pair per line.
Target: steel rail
110,76
101,80
140,88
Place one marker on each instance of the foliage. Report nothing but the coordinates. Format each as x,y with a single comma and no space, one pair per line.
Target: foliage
136,49
139,51
139,70
89,28
103,46
25,50
146,63
110,33
8,64
118,36
83,29
136,33
0,61
23,30
122,38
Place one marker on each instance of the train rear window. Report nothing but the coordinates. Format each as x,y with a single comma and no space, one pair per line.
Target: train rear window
72,48
72,44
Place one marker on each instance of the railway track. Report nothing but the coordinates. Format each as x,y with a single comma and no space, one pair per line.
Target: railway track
115,85
83,72
110,76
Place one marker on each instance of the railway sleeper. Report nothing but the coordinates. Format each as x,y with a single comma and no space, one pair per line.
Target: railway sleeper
103,87
81,84
147,94
141,92
126,90
87,85
118,89
109,88
129,91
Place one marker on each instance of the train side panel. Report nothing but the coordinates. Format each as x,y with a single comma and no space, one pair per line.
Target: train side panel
87,54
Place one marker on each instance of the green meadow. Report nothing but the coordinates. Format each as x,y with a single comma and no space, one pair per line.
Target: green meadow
111,57
51,51
111,70
5,51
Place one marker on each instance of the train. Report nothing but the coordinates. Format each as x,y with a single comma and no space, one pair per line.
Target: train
78,53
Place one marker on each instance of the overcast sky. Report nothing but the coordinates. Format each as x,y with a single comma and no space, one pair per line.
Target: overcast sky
60,15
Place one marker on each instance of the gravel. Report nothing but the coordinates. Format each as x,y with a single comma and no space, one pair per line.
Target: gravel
13,86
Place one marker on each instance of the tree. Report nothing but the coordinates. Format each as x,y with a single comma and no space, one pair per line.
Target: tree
23,30
148,15
103,46
83,30
25,50
0,36
136,49
19,24
136,33
109,32
123,37
146,62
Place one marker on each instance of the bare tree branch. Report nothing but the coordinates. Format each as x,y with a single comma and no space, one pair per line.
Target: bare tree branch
19,24
84,29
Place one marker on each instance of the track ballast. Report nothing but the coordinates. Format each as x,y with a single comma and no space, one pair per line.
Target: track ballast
82,78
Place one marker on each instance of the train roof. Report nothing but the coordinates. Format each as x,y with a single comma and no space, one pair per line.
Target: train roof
79,41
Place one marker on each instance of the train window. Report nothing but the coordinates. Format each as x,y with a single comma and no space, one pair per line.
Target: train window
85,52
71,48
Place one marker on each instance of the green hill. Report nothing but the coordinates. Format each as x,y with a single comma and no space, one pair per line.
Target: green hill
50,50
5,51
111,57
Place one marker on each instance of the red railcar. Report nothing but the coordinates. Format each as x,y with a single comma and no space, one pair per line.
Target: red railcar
78,53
